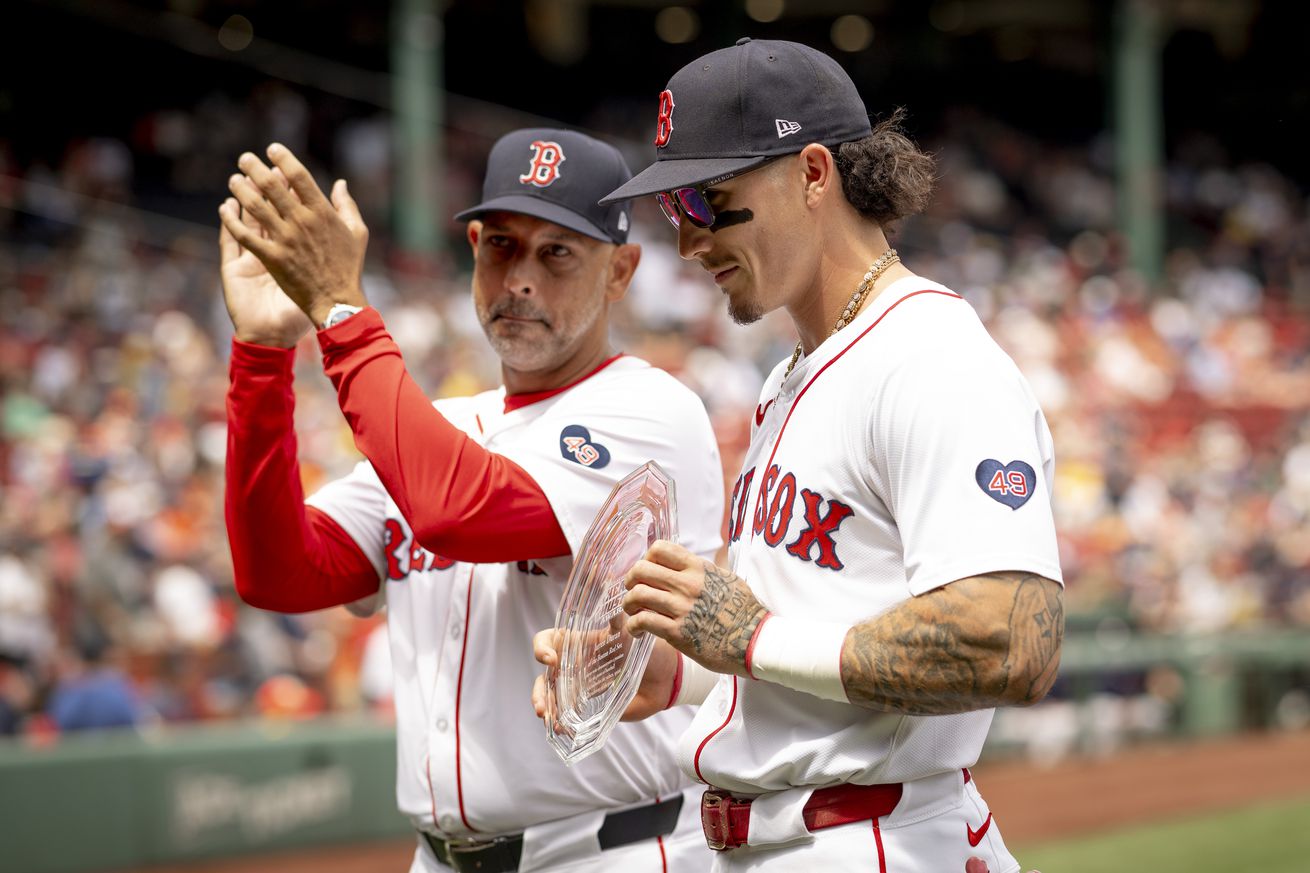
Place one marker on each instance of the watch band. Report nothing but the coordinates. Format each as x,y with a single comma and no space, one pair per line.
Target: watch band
339,313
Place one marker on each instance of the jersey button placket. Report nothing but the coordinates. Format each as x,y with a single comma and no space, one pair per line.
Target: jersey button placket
441,736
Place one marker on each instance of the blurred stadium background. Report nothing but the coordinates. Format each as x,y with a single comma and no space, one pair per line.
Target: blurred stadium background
1123,198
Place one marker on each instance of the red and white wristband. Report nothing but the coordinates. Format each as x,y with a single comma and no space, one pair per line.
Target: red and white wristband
799,653
692,683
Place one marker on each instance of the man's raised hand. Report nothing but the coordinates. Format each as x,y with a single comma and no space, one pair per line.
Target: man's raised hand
260,312
312,246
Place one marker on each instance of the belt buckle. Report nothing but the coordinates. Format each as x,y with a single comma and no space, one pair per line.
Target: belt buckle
714,806
467,846
463,851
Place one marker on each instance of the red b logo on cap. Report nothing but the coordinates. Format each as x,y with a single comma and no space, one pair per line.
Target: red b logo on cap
546,158
664,124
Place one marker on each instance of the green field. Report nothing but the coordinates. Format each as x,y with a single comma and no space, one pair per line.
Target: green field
1270,838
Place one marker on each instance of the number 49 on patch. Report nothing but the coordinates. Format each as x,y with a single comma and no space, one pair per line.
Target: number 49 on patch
1011,484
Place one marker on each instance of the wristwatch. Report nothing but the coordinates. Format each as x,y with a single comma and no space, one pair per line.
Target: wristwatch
339,313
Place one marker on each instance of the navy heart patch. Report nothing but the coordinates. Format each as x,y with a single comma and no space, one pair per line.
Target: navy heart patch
1011,484
575,444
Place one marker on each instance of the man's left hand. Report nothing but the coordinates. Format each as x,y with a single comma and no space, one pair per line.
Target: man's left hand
313,247
652,694
706,612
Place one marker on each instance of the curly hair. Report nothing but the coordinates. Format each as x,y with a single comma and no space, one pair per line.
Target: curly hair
884,175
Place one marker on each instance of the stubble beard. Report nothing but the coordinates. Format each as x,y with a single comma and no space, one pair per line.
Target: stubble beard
533,347
524,347
744,310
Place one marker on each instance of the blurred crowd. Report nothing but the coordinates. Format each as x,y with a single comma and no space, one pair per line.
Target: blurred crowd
1180,410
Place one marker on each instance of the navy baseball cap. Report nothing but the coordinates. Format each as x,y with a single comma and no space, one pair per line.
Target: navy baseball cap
557,176
740,107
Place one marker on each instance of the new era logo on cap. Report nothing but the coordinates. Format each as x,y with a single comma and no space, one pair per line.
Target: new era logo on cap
786,128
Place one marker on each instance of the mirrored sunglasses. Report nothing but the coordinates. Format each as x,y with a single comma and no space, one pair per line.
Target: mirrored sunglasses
690,201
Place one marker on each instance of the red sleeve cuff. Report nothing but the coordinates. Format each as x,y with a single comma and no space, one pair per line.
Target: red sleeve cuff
359,329
267,360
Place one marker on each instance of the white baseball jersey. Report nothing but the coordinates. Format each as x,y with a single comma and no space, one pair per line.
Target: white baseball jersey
904,453
473,758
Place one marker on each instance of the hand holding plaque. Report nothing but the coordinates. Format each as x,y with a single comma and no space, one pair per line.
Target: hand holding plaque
600,663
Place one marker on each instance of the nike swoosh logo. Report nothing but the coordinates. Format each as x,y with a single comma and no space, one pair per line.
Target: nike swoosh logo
975,837
760,412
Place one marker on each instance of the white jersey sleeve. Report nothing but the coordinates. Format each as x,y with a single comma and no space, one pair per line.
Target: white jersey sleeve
358,502
597,433
965,459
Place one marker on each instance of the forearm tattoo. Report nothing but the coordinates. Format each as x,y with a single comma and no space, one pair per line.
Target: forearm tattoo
977,643
724,616
1036,632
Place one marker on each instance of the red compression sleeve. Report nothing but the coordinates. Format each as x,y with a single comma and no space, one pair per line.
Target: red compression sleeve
461,501
285,556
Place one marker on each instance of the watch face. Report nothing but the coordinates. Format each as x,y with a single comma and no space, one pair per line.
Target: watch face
339,313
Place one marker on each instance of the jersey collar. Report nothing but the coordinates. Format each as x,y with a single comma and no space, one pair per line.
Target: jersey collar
518,401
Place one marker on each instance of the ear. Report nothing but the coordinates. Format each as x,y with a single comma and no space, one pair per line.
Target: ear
819,173
622,266
474,231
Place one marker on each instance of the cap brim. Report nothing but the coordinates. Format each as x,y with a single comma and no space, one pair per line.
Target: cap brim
681,173
524,204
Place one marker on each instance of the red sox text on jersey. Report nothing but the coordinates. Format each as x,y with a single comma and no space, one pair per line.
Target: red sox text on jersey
779,500
401,545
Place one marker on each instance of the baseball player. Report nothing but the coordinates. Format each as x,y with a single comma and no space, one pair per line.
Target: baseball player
893,572
465,515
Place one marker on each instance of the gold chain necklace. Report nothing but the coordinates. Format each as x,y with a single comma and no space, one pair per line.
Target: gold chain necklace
876,269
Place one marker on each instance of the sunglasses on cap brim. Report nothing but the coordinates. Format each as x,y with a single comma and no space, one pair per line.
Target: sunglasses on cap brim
690,201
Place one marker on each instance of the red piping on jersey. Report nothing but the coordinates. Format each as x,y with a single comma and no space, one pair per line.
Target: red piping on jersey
664,861
459,691
877,838
815,377
731,709
518,401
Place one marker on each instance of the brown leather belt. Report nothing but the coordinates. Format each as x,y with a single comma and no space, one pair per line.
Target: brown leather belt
502,854
726,819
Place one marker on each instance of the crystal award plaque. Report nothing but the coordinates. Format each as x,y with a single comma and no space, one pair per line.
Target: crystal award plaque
600,663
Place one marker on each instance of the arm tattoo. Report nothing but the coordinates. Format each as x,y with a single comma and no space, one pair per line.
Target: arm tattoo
724,616
1036,631
977,643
